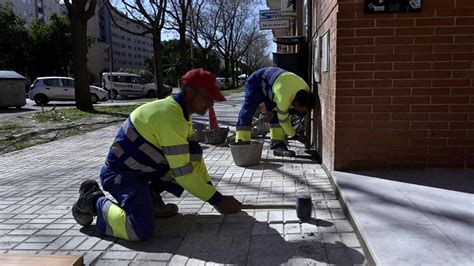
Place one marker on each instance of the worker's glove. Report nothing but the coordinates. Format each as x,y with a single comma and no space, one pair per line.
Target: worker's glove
228,205
266,117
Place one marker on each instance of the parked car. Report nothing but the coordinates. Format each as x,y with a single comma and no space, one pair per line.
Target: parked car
128,84
46,89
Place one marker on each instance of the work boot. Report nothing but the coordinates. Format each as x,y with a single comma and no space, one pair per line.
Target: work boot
160,208
282,150
83,210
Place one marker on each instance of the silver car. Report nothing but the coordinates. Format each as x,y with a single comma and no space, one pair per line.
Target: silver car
46,89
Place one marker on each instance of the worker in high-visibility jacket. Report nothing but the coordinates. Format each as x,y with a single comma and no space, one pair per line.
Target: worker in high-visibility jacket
151,154
280,91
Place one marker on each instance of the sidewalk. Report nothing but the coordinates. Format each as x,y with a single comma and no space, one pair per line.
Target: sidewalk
38,186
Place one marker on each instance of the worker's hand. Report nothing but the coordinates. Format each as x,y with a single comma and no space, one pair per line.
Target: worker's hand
302,138
228,205
266,117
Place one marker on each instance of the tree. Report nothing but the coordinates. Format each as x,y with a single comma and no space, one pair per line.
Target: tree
179,14
150,16
49,48
79,12
256,56
204,27
12,41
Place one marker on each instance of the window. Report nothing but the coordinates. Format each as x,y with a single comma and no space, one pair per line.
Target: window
124,79
325,52
51,82
68,83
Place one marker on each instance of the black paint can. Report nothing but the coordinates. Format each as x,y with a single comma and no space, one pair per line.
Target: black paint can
304,206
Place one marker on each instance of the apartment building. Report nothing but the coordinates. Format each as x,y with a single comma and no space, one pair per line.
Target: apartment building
35,9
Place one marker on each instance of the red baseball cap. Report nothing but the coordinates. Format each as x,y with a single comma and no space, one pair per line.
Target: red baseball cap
201,78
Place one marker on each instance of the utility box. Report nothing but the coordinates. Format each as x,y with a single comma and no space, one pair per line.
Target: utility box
12,89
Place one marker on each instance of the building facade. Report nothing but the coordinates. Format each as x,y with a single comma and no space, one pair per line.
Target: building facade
129,50
397,88
41,10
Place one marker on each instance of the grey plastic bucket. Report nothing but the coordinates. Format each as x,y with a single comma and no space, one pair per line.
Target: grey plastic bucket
246,154
216,136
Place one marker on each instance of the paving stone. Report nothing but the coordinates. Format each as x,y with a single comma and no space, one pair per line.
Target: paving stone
31,246
275,217
105,262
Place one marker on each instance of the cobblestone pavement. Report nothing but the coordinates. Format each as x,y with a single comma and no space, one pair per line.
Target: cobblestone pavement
38,186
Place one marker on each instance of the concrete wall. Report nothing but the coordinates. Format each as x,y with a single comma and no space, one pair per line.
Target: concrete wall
405,87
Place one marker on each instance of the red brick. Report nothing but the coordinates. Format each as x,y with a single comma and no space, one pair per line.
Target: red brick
394,58
455,12
353,108
355,58
391,108
343,117
430,108
458,141
344,100
433,57
409,133
390,125
454,30
374,50
353,125
395,23
434,22
372,100
465,20
392,92
341,33
451,83
429,125
411,100
402,49
373,66
412,66
344,84
433,39
359,23
415,31
448,133
343,50
463,57
355,41
448,117
371,116
455,48
393,40
412,83
438,4
353,92
409,117
375,32
431,74
449,99
393,75
461,125
461,108
464,39
451,65
426,13
464,3
354,75
462,91
376,83
429,141
344,67
430,91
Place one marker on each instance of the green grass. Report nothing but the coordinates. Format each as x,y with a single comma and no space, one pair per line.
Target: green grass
124,109
233,91
73,114
9,127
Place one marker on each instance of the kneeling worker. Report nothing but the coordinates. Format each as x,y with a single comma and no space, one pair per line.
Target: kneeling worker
280,91
151,154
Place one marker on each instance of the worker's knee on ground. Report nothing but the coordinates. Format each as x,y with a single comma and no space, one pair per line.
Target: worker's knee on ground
277,133
195,147
243,135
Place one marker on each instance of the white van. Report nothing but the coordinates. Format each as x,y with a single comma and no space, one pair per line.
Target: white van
128,84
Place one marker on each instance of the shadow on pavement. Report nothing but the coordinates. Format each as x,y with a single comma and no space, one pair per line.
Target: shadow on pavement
238,239
15,110
319,222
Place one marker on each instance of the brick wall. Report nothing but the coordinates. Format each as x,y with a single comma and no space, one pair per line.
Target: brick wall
323,20
405,87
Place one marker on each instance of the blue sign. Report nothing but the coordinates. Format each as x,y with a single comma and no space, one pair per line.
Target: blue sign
271,14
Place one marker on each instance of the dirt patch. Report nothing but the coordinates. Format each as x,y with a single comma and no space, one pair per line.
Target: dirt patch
25,130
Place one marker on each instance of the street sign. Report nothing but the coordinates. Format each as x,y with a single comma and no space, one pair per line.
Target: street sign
274,24
288,6
270,14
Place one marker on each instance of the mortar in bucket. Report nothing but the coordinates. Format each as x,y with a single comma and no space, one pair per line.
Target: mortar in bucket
246,154
216,136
